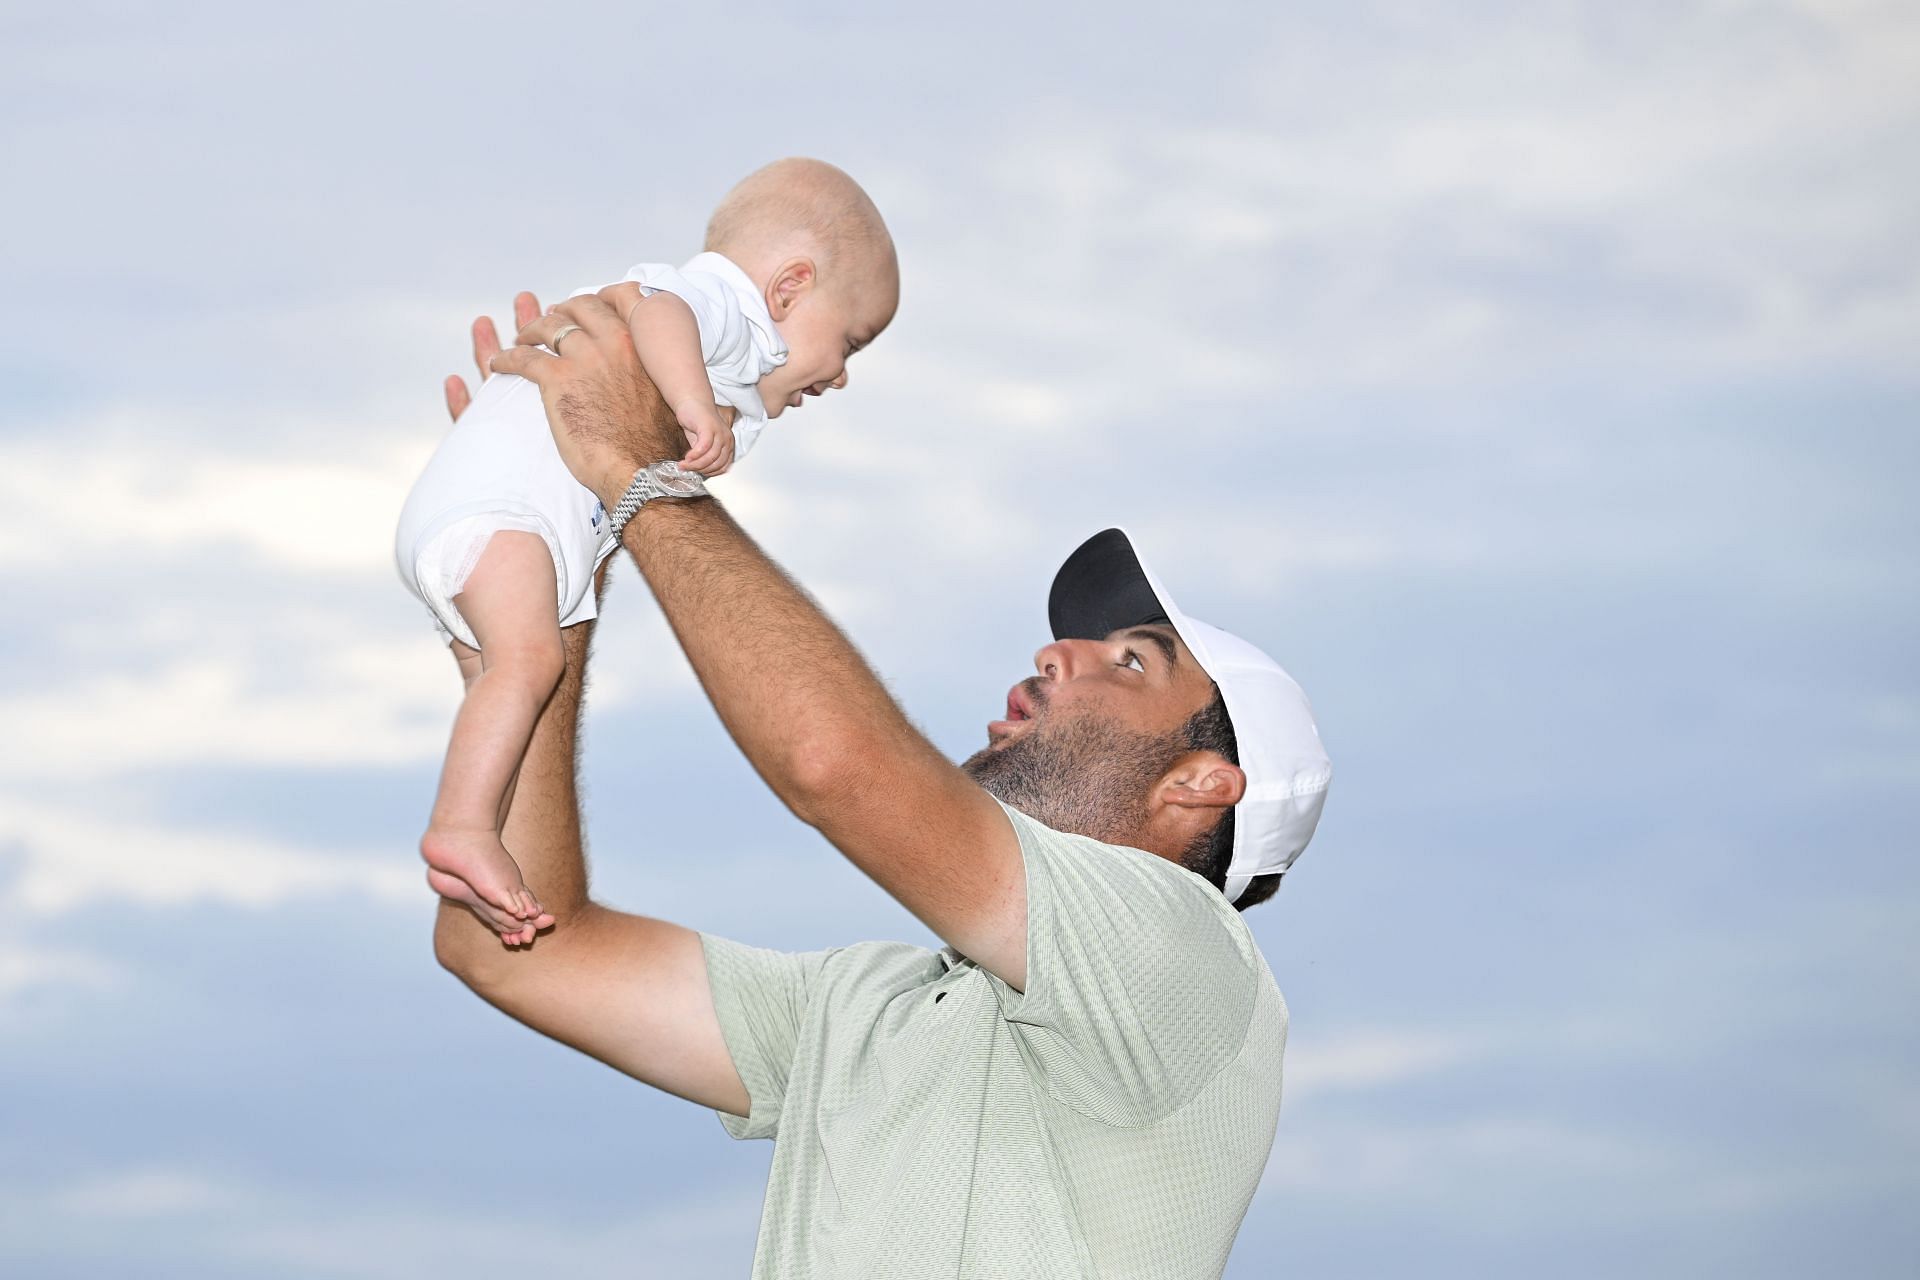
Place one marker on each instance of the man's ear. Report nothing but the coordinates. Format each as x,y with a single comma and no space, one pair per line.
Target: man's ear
1201,780
1188,799
790,281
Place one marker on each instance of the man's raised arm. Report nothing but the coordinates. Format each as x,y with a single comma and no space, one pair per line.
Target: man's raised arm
803,706
629,990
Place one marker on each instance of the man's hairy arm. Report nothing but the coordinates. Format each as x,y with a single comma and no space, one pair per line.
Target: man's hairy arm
629,990
805,709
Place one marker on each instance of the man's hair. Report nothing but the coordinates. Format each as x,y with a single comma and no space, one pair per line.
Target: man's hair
1211,729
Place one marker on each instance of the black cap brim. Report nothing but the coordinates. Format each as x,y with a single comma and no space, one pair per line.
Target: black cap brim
1102,589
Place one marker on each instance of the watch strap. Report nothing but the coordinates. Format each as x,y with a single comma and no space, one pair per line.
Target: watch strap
656,480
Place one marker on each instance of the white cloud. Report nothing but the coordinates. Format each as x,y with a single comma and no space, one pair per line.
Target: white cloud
1357,1061
68,859
357,704
705,1233
1552,1173
179,1212
36,967
1480,202
127,478
143,1193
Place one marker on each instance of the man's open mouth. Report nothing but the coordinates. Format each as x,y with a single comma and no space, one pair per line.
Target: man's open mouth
1020,709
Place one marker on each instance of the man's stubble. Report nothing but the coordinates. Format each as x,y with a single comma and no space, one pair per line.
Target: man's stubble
1083,775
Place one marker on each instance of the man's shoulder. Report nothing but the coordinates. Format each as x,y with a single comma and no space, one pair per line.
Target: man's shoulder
1130,868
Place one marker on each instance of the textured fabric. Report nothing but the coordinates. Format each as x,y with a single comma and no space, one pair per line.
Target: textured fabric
929,1121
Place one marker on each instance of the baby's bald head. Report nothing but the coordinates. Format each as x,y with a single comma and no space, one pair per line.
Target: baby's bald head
806,206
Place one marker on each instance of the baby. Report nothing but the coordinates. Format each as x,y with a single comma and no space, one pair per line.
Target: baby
501,543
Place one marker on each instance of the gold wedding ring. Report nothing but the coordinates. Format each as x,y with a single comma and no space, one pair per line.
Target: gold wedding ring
553,343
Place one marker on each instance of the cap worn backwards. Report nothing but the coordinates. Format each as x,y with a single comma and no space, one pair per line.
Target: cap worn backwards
1106,586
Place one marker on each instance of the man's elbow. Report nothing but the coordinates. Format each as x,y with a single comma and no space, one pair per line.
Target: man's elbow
823,771
461,945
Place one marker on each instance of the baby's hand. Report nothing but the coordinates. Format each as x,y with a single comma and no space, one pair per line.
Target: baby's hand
709,440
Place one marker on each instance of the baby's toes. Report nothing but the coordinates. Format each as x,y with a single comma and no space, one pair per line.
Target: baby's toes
502,899
499,920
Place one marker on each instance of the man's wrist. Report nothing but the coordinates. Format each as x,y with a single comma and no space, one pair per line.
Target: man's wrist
657,483
612,486
654,514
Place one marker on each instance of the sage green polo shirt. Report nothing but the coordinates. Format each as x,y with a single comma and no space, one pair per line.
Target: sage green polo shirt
929,1121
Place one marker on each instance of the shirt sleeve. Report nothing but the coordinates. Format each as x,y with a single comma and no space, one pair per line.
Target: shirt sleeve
761,997
1141,979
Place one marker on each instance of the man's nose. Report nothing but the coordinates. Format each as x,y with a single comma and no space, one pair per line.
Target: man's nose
1059,660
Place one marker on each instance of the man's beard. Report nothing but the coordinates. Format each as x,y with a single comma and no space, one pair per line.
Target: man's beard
1085,776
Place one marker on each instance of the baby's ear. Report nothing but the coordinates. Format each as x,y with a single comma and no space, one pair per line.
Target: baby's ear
789,283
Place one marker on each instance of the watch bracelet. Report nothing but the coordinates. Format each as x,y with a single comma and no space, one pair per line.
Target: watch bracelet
630,503
647,486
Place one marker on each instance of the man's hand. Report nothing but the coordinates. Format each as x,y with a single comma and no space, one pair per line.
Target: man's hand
486,345
608,419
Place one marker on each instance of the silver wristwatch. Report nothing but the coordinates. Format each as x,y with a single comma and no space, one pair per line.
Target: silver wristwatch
659,480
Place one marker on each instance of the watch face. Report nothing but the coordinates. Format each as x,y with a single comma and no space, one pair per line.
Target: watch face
675,483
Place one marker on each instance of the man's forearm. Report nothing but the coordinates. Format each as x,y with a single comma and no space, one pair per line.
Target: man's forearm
543,826
797,697
794,694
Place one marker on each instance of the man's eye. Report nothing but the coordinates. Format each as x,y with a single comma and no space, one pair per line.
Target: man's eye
1132,659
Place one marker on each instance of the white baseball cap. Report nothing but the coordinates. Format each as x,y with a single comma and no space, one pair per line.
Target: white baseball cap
1106,586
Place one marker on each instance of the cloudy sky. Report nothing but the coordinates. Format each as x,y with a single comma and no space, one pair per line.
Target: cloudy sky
1536,381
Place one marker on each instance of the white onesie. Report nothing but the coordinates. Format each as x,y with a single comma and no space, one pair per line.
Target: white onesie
498,467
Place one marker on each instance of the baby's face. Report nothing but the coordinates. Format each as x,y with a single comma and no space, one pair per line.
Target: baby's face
824,329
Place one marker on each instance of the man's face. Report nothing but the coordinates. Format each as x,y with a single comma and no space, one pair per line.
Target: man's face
1085,740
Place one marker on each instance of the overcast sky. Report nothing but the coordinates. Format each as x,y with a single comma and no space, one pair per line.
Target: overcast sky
1537,382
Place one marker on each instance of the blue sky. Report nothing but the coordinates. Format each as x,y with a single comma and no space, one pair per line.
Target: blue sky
1535,381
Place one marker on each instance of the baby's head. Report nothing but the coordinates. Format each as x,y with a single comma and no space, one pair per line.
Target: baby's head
811,239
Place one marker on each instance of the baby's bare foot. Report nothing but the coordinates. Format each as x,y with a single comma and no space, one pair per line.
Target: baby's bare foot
512,930
487,872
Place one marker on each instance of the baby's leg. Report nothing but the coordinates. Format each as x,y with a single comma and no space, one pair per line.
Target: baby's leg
469,660
450,886
470,668
509,602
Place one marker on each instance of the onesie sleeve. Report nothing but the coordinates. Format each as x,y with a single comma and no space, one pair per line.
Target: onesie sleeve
726,339
1141,980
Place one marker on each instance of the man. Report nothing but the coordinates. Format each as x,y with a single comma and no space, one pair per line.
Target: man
1086,1080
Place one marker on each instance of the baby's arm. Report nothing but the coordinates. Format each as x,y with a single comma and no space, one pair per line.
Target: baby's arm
668,339
509,602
